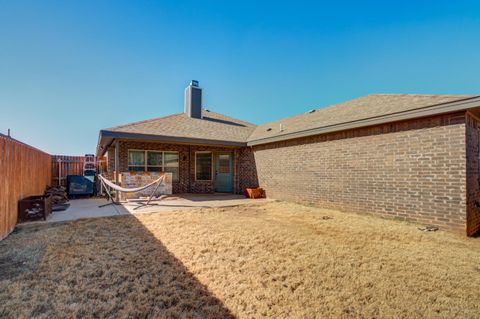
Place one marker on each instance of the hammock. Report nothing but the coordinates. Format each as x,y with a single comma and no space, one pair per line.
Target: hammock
114,186
129,190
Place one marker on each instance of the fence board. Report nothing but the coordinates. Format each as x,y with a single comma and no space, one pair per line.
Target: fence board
70,165
24,171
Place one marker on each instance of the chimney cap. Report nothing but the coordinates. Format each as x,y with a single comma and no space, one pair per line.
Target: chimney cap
194,83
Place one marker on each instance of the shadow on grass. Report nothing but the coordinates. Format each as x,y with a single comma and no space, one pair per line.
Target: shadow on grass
105,267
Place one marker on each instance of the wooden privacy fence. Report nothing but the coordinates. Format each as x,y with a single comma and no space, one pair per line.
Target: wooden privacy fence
27,171
63,165
24,171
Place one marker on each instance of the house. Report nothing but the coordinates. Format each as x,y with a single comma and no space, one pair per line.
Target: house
414,157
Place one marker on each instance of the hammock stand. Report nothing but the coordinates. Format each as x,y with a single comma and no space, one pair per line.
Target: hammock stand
106,182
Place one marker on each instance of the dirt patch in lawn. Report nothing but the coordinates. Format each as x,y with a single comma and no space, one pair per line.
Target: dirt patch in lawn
275,260
18,261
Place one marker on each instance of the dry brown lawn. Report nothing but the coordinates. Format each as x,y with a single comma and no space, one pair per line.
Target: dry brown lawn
274,260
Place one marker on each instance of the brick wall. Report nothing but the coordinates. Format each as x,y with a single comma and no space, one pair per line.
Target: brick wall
413,170
247,169
187,183
473,177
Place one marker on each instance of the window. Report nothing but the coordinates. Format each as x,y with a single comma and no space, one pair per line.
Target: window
203,166
154,161
224,163
170,164
136,161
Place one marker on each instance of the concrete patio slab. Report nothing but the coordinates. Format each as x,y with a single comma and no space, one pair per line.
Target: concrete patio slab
86,208
89,208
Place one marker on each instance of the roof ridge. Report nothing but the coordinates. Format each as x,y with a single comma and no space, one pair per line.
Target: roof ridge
339,104
144,121
422,94
230,117
176,114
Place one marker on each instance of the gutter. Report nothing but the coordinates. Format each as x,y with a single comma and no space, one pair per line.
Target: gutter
450,107
111,135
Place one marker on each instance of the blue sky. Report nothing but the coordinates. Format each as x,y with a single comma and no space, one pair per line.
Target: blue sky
70,68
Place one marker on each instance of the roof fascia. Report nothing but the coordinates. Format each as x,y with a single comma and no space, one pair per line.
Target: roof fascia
104,134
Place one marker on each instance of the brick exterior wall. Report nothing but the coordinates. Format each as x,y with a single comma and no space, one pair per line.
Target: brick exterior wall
473,177
242,164
247,169
413,170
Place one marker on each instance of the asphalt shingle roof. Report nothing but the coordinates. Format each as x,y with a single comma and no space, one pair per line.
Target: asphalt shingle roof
213,126
365,107
217,127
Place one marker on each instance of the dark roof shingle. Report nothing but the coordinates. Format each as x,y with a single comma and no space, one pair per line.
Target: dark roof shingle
213,126
365,107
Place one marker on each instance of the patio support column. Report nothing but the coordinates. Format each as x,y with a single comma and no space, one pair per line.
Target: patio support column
117,166
190,168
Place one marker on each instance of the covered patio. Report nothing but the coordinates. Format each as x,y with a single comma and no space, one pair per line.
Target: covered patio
205,151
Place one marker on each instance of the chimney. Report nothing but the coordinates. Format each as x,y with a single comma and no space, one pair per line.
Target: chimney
193,100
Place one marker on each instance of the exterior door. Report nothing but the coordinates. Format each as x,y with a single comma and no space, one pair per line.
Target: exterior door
224,172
